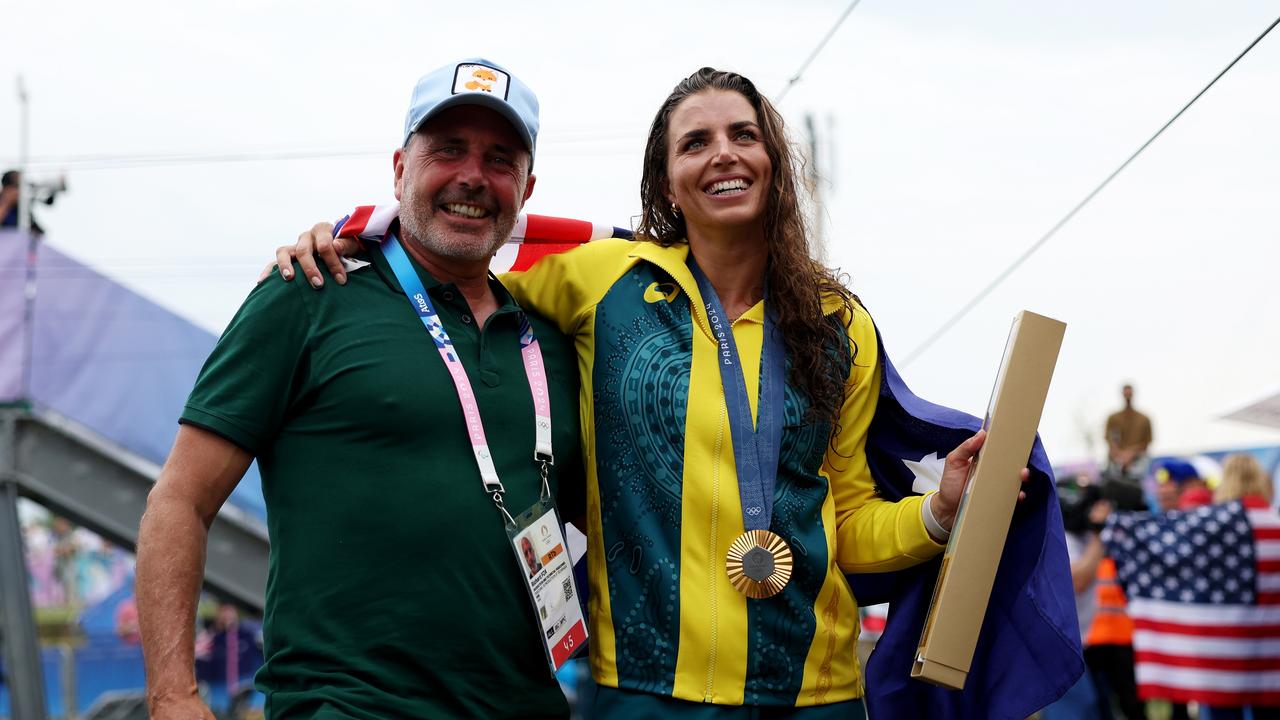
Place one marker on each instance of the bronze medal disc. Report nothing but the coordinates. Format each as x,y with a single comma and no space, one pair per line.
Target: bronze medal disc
759,564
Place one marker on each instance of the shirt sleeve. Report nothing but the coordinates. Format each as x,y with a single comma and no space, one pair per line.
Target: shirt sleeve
872,534
246,387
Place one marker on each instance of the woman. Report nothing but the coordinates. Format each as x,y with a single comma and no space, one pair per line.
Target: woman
1244,479
690,612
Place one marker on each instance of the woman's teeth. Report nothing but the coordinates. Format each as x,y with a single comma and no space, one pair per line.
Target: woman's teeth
727,186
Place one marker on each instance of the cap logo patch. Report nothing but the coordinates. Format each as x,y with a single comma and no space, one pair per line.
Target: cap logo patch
471,78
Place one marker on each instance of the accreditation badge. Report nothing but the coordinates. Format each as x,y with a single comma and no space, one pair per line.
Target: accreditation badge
543,558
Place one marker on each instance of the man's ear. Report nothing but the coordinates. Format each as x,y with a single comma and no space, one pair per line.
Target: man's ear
528,189
397,162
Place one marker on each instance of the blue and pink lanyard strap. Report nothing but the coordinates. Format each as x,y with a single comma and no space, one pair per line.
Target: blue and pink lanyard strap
534,370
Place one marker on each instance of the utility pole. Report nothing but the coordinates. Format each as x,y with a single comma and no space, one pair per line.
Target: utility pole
19,646
819,167
24,204
24,227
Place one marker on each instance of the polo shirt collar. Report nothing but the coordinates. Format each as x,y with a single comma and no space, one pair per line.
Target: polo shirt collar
506,303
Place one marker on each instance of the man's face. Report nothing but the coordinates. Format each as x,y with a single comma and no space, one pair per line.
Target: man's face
1167,495
1127,392
461,182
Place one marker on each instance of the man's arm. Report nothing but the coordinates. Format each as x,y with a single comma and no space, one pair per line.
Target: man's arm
202,470
1084,569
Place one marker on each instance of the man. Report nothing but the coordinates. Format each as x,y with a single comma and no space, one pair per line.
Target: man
1128,436
11,196
1084,511
393,588
1175,480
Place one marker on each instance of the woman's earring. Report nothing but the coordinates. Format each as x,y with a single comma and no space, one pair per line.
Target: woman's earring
675,208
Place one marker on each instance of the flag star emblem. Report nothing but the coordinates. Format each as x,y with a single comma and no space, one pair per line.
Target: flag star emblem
927,471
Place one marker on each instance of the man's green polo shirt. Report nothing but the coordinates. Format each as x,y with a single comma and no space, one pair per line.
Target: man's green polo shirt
392,590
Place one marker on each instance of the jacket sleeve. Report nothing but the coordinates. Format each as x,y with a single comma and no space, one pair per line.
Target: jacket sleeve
872,534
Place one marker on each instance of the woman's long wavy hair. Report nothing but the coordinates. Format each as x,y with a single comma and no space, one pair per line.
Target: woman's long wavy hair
797,283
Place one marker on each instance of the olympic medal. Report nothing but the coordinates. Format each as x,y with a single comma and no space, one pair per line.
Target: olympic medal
759,564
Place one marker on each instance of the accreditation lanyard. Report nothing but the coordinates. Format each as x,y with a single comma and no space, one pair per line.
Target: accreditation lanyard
534,370
755,449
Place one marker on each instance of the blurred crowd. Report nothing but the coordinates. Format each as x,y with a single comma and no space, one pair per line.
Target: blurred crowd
70,567
1174,583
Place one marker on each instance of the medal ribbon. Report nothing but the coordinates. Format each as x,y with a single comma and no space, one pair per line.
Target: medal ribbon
755,450
530,353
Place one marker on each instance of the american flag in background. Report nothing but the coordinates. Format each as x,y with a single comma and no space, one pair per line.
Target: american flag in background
1204,596
533,237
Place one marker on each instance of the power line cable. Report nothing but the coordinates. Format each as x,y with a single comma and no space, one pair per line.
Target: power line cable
113,161
1004,275
822,44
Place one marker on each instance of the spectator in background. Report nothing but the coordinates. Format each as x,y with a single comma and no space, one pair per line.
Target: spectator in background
1180,487
127,622
1168,493
228,652
1202,584
1108,647
1175,479
11,195
1243,479
1128,436
66,549
1083,514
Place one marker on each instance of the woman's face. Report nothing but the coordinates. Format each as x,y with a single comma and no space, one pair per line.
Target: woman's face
718,170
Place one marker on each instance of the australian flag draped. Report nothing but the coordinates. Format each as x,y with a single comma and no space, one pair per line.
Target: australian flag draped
1028,652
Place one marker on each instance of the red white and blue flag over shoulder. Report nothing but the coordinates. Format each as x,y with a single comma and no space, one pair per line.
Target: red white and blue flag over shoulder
1028,652
1204,595
533,236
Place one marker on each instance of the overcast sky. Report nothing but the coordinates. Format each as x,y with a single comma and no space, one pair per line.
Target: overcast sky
954,134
